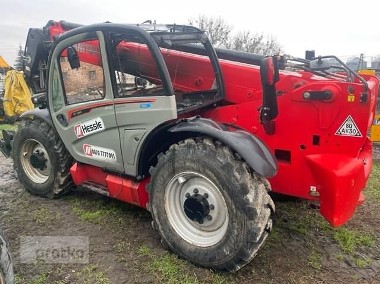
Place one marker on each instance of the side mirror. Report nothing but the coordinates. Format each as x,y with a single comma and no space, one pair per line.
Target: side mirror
73,58
140,82
270,74
269,71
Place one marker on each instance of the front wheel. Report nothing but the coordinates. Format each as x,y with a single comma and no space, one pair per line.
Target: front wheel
208,206
40,159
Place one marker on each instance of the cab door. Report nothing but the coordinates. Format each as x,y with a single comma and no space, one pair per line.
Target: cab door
81,100
144,97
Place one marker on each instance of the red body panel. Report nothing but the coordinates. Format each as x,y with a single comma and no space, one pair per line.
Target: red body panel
309,153
340,179
121,188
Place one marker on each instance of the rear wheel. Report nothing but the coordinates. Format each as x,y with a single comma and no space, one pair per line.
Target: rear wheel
6,267
40,159
208,206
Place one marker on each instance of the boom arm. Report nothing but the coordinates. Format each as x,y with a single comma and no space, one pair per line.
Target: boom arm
36,53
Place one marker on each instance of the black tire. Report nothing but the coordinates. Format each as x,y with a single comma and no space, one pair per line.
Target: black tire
40,159
6,266
2,113
241,217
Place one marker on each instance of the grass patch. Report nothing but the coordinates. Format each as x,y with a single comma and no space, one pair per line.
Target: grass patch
41,279
315,259
363,262
19,279
145,251
41,215
297,217
90,274
274,238
299,221
167,268
122,246
340,257
373,185
96,211
6,127
171,269
349,240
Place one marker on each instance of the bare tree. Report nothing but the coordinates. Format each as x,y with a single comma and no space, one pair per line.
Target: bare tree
220,34
217,29
255,43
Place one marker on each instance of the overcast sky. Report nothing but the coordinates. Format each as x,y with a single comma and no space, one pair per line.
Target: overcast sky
343,28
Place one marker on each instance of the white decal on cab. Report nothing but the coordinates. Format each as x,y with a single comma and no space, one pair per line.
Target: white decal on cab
99,153
89,127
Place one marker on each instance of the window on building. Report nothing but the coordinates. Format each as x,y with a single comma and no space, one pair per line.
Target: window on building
92,75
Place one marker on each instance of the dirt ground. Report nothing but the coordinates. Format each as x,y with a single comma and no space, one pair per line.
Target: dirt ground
125,249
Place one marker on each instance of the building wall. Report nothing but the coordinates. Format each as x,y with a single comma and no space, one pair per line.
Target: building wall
87,76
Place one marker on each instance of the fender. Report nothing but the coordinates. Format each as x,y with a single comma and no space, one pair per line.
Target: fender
41,113
249,147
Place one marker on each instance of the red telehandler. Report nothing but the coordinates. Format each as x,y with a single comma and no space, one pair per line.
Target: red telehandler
153,115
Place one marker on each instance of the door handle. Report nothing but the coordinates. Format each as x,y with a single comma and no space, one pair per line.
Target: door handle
62,120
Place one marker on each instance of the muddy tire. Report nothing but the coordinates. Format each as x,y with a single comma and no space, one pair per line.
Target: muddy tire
6,267
40,159
208,206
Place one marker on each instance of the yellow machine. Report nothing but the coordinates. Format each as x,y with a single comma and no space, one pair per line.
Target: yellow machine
367,71
17,97
375,130
3,63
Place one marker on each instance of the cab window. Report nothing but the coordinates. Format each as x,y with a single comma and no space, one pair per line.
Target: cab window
136,72
82,72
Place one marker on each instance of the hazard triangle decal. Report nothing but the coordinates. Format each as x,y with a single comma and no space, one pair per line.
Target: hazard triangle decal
349,128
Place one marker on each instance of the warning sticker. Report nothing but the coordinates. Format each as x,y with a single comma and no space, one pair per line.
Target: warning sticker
349,128
99,153
351,98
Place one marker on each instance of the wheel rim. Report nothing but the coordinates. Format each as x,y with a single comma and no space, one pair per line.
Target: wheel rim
31,151
196,191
